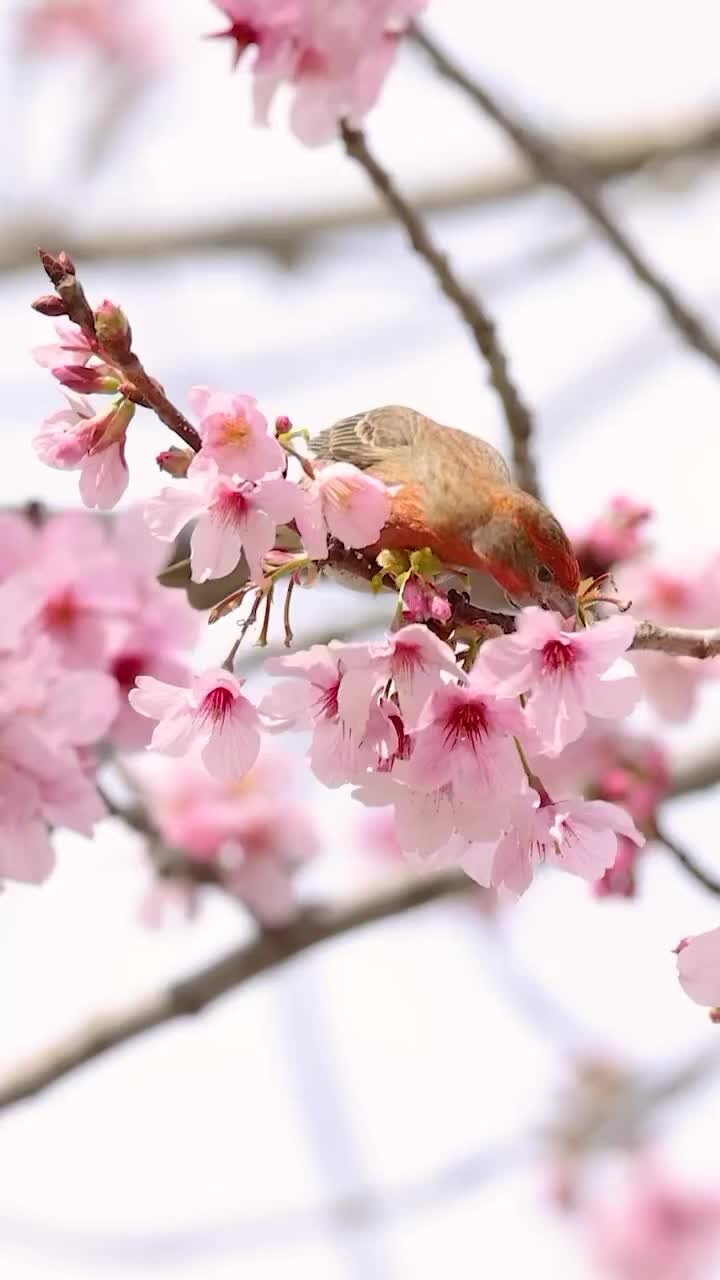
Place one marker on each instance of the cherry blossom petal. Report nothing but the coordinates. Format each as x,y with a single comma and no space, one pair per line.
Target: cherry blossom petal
698,967
234,743
215,549
174,507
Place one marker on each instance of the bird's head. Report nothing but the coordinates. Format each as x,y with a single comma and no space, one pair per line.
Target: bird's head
527,552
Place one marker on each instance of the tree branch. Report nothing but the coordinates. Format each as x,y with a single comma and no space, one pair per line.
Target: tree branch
473,313
191,995
679,642
559,167
709,882
605,156
147,392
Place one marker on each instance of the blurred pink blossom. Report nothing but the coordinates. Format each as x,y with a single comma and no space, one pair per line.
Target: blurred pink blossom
684,596
613,537
120,30
335,56
652,1228
255,837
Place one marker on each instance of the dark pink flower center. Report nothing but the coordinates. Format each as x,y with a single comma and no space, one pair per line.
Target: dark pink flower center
557,656
326,703
127,667
231,507
217,704
60,611
466,722
310,63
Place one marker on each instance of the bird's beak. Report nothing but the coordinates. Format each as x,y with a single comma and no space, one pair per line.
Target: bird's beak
565,602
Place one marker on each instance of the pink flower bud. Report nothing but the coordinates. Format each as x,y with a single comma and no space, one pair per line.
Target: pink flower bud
97,379
112,328
111,426
49,305
175,461
56,267
282,425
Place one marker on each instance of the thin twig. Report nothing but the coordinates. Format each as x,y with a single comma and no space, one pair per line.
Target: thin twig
680,855
473,313
697,772
606,155
61,272
564,170
191,995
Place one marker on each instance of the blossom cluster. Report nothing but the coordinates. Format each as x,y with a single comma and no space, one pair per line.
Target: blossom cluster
82,615
335,56
493,754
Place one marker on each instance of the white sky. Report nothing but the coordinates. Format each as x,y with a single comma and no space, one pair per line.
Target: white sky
392,1053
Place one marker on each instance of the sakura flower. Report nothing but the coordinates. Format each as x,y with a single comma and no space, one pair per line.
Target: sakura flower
232,516
344,503
234,434
674,595
77,437
333,699
335,56
74,348
422,601
255,844
118,32
465,737
212,711
612,537
569,674
578,836
698,967
413,659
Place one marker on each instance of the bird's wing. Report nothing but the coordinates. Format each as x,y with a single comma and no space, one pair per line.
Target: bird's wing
392,434
366,439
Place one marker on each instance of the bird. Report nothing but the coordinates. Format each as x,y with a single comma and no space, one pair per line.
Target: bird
450,492
453,492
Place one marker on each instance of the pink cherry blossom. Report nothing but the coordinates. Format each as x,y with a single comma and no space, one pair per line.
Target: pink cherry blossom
336,56
48,717
335,700
698,966
422,601
578,836
78,437
413,659
234,434
569,674
613,537
255,838
233,516
344,503
465,737
212,710
73,347
650,1227
619,879
119,32
684,595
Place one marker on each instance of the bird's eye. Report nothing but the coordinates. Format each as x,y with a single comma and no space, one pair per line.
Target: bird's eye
544,574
